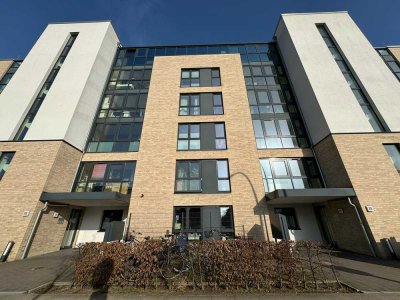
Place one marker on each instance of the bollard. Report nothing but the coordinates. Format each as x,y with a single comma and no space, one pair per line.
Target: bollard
6,251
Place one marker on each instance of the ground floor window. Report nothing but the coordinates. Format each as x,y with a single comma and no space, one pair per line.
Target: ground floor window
290,215
204,222
110,216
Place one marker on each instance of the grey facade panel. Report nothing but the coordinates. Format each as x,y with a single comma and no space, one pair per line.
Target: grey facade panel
209,177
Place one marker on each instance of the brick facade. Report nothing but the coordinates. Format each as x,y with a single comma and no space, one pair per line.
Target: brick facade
395,52
4,66
362,161
36,167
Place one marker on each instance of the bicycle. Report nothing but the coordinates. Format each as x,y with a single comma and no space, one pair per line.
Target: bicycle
175,260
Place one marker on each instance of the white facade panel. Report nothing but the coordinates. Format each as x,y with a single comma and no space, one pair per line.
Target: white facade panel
320,87
69,108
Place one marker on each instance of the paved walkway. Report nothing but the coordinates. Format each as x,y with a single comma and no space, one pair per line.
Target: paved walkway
27,274
368,274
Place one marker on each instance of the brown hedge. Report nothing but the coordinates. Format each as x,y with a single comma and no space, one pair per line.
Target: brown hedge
233,264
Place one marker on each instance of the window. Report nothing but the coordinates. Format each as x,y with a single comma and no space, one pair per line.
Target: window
288,173
188,176
279,133
290,215
276,120
115,137
217,104
215,77
5,160
349,77
43,92
223,176
106,177
9,74
189,137
189,105
200,77
220,139
202,176
393,152
201,136
110,216
204,222
388,58
201,104
190,78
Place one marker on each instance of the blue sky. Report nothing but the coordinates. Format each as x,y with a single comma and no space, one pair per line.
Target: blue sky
171,22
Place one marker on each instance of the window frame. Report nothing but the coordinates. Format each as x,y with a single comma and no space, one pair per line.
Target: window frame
104,216
270,179
188,178
104,180
189,136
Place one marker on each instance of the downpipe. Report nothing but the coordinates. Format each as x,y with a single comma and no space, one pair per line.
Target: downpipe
35,225
362,226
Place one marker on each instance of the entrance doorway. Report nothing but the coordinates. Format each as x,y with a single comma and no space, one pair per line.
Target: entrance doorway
320,212
72,228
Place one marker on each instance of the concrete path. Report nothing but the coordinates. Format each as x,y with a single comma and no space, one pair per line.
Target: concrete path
27,274
368,274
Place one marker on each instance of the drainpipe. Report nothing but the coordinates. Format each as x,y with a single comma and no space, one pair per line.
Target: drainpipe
35,225
362,226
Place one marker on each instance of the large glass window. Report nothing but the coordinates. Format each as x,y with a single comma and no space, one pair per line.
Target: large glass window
118,126
289,173
200,77
188,176
189,105
45,89
349,77
201,104
116,176
190,78
394,153
189,137
201,136
5,160
204,222
276,121
202,176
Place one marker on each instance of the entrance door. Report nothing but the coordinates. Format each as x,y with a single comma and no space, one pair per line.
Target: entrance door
323,224
72,227
284,227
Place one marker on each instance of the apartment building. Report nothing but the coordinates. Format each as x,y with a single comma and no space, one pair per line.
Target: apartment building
293,139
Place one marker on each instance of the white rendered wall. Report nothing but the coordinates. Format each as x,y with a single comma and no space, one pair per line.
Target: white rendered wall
69,108
327,102
91,221
309,229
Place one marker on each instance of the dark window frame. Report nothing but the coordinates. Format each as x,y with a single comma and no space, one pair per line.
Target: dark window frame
189,136
307,164
291,217
101,229
176,191
87,167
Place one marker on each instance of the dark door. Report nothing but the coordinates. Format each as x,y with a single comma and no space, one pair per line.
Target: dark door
322,218
72,227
